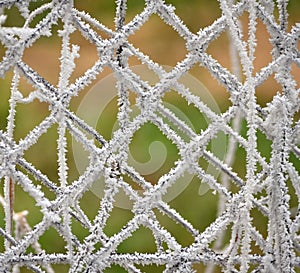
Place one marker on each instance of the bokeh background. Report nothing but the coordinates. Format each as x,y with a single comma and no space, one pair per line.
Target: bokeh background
166,47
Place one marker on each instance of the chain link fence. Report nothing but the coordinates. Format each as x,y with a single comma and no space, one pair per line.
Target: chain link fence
118,162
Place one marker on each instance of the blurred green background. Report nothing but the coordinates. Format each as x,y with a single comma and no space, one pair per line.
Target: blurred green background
164,46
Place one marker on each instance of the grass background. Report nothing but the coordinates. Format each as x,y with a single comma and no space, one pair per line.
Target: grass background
164,46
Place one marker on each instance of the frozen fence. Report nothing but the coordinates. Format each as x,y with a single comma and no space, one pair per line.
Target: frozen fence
269,188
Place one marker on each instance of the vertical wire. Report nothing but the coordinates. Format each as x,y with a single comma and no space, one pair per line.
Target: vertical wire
9,188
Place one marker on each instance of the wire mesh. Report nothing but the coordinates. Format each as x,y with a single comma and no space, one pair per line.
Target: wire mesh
254,181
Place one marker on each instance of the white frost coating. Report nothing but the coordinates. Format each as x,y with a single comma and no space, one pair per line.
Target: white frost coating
269,187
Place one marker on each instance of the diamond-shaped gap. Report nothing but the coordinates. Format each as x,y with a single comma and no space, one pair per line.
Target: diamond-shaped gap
104,11
177,104
43,57
267,90
196,14
195,121
117,220
181,235
152,154
219,49
141,241
168,48
215,97
52,50
52,241
219,93
89,205
150,78
191,197
177,186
